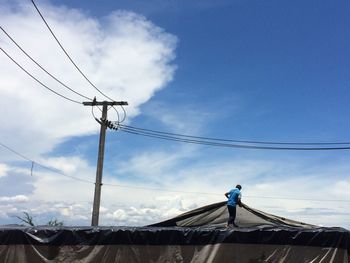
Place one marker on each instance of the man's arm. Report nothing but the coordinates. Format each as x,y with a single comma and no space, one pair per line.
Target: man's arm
239,202
227,194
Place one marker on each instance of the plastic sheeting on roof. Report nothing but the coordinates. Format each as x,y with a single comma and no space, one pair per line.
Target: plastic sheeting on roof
216,215
196,236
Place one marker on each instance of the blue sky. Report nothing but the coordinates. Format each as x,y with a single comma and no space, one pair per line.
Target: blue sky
250,70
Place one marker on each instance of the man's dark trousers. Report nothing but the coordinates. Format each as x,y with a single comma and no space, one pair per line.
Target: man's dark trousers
232,213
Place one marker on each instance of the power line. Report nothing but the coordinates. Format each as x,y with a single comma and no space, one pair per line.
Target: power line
297,199
160,189
208,193
15,152
42,68
230,140
42,84
124,116
44,166
66,53
118,117
227,145
163,189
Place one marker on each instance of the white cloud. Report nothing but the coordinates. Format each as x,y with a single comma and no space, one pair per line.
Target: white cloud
75,183
124,54
3,169
130,58
103,210
186,119
67,165
341,189
56,196
66,211
14,199
263,183
151,164
6,210
119,214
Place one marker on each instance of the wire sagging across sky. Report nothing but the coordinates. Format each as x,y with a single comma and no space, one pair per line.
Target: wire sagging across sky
244,144
54,170
66,53
37,80
41,67
230,140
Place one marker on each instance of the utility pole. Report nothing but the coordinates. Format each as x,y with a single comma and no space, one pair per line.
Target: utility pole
101,150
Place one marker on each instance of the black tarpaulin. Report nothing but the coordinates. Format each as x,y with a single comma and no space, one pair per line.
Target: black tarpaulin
216,215
196,236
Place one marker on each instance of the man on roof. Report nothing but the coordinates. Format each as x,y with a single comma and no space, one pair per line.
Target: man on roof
234,199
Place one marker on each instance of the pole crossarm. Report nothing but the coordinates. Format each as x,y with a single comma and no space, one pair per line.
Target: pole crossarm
108,103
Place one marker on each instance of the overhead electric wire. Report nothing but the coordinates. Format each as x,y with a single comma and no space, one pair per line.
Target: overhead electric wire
117,114
42,68
124,117
195,137
93,114
230,140
227,145
118,117
297,199
15,152
42,84
44,166
161,189
208,193
66,53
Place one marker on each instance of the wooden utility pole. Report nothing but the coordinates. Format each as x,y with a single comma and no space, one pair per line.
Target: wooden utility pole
101,150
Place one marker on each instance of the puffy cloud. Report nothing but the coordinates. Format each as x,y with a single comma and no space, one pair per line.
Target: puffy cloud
119,214
130,58
142,202
73,173
103,210
14,199
6,210
124,55
67,165
341,188
3,169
